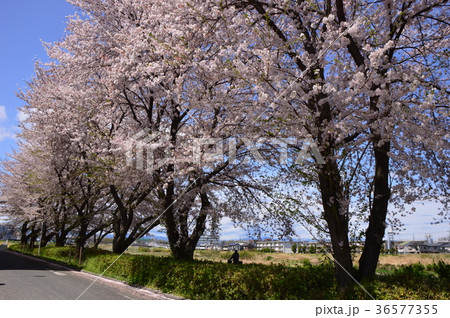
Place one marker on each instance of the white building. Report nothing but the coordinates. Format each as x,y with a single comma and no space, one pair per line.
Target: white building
409,247
277,246
208,242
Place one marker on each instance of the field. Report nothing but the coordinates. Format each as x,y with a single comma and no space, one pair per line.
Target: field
262,276
255,257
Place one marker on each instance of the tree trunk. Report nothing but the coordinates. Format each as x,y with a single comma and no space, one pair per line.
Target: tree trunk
126,229
99,238
336,216
23,233
33,239
81,239
120,244
123,237
181,243
183,253
46,239
62,226
377,219
97,243
60,239
33,235
61,235
46,236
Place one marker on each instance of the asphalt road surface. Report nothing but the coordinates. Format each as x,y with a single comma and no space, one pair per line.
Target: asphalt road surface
26,278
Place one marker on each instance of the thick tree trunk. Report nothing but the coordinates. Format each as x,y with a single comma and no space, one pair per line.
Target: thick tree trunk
60,239
377,219
62,226
46,235
121,226
181,243
183,253
126,229
121,243
33,239
171,226
81,239
33,235
336,216
23,234
46,239
123,237
61,234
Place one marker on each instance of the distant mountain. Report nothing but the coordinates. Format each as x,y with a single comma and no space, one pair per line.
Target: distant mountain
159,237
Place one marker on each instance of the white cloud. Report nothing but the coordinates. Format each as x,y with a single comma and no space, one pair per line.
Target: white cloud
420,223
21,116
6,133
3,114
228,230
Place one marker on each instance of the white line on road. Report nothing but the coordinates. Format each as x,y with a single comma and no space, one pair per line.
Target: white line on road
127,297
58,273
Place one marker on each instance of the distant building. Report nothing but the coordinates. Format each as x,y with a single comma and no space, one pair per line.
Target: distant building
251,245
277,246
230,246
208,242
445,247
152,243
423,247
434,247
409,247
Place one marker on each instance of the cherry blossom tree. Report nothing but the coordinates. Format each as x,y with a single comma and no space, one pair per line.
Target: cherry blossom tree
86,107
141,94
368,82
153,77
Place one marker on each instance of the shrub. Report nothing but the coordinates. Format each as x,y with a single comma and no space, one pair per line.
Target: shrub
442,269
306,262
266,250
159,250
142,249
411,271
210,280
294,248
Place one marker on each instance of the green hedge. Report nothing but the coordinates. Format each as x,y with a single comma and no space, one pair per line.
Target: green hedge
213,280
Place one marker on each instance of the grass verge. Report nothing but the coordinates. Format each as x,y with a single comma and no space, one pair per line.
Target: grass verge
200,279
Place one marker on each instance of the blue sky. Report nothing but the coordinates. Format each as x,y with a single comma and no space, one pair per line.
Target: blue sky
25,23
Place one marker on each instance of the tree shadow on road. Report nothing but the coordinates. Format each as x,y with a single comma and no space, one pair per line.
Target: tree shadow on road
15,261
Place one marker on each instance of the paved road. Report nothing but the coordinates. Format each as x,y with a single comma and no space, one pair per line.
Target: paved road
26,278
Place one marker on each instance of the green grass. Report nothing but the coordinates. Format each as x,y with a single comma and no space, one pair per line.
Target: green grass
206,279
214,280
414,281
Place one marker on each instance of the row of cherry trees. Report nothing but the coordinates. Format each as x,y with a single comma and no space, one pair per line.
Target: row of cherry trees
366,80
85,110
